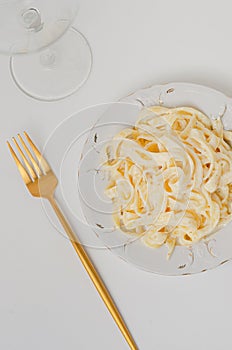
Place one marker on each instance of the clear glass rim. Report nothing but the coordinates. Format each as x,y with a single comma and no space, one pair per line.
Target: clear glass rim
9,54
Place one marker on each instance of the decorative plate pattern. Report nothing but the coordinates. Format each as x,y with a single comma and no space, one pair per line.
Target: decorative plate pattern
204,255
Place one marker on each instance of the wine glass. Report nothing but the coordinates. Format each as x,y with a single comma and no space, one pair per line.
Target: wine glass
44,63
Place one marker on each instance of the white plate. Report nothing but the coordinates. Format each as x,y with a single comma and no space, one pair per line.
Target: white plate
204,255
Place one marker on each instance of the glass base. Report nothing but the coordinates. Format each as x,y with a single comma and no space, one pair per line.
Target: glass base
56,72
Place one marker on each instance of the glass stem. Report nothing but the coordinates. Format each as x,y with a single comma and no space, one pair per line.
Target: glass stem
48,58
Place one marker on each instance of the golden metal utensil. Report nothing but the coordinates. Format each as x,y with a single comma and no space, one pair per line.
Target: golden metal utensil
42,182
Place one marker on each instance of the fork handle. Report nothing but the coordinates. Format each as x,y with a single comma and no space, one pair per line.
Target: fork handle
94,275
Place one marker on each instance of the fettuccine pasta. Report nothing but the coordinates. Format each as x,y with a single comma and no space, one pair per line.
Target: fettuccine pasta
170,177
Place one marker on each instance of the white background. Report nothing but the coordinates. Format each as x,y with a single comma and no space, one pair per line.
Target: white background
46,299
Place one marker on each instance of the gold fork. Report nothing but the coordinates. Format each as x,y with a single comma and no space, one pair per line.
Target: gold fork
42,182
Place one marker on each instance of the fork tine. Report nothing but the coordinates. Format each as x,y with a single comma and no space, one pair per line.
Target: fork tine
45,166
30,156
28,166
23,172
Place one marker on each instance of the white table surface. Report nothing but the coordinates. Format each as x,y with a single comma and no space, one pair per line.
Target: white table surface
46,299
